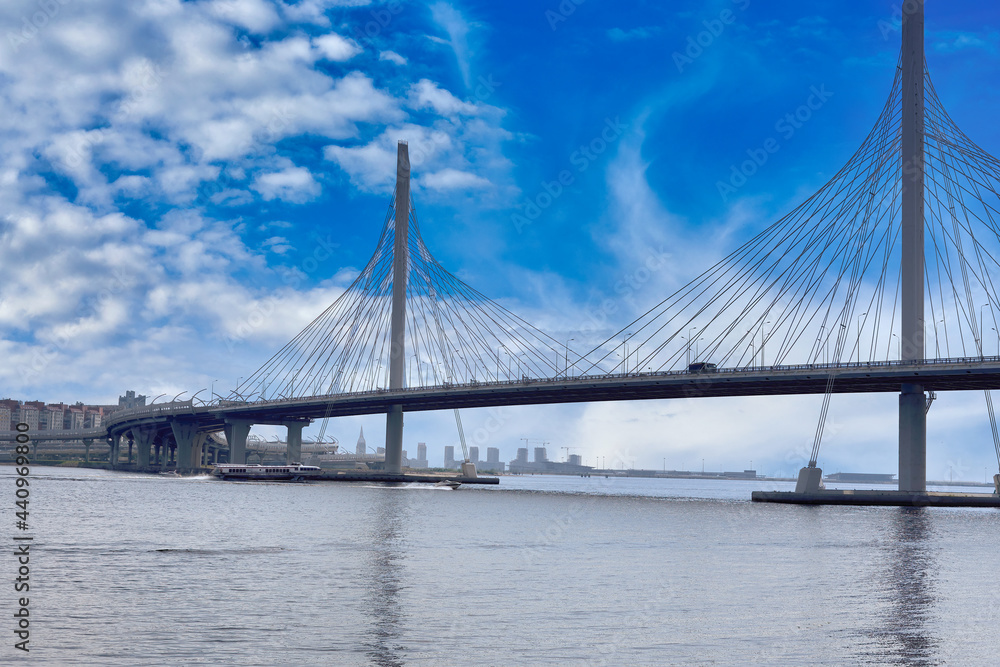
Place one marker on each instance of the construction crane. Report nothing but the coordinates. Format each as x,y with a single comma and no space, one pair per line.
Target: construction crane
567,451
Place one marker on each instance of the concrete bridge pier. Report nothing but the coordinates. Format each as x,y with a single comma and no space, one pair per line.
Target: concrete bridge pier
912,438
131,442
197,452
185,435
87,444
293,448
143,437
237,431
114,450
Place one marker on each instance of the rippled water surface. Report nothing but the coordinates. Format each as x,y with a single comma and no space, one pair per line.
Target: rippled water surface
143,570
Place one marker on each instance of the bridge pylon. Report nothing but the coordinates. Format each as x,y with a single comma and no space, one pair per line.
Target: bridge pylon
912,400
400,277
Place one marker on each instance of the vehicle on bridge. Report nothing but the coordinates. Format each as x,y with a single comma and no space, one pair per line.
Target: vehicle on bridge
295,472
702,367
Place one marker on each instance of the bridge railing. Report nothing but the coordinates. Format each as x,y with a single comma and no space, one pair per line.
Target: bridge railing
175,407
790,368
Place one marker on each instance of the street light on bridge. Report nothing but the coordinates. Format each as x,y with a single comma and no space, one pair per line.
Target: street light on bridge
982,344
864,314
567,356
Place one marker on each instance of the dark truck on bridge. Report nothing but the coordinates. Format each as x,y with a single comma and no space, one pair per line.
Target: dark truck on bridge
702,367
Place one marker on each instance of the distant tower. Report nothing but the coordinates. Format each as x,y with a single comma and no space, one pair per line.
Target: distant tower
474,454
449,457
540,456
421,451
522,454
362,445
492,455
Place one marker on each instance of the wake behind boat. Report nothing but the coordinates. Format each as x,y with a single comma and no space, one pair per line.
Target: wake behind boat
296,472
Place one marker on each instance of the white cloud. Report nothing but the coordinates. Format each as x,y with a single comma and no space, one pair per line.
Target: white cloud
392,57
293,184
254,15
458,28
171,106
278,245
336,48
453,179
427,95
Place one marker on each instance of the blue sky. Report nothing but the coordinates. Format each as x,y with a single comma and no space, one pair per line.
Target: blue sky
187,184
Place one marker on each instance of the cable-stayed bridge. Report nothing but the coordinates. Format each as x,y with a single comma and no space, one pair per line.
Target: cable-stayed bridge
879,282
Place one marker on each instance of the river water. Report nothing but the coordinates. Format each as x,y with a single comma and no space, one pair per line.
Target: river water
141,570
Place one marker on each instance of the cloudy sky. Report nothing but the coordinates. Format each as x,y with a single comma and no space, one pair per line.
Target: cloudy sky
184,185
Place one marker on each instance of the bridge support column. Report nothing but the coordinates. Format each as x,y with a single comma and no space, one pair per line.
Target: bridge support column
198,452
237,431
184,435
87,444
143,438
400,280
394,439
912,402
912,438
115,450
130,443
293,448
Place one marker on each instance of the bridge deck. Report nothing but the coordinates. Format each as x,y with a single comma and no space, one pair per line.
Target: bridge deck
938,375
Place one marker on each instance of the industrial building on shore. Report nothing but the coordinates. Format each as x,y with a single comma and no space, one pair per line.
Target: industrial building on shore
542,465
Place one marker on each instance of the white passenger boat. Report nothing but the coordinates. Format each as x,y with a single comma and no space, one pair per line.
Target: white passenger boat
295,472
449,483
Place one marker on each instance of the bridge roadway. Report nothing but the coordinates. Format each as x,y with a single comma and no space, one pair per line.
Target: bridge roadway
183,420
